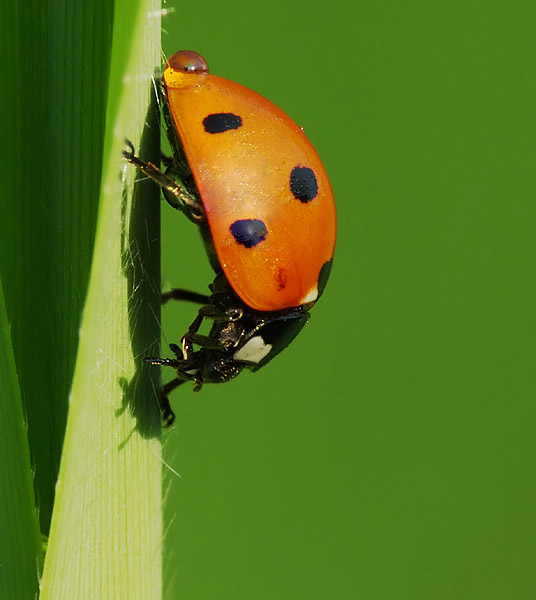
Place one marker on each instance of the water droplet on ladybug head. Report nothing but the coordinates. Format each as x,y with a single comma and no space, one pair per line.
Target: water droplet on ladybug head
185,69
188,62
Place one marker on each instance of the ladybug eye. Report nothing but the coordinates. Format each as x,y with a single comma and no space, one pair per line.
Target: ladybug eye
188,62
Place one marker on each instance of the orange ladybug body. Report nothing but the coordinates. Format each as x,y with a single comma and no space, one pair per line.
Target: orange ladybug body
248,175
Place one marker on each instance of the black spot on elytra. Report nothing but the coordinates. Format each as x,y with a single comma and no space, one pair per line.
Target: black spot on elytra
248,232
220,122
324,276
303,184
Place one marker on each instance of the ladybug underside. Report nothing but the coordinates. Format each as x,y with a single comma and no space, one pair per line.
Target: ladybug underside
239,338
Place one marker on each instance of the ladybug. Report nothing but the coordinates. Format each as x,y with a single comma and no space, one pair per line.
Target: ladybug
247,175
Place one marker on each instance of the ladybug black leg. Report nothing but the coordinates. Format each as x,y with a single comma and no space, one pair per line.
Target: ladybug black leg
168,416
201,340
210,311
163,362
192,337
184,295
176,351
175,194
167,160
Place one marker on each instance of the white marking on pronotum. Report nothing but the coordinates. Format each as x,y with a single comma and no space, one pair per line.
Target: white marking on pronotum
253,351
311,296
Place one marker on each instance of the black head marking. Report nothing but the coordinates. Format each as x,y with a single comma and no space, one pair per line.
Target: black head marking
220,122
249,232
303,184
324,276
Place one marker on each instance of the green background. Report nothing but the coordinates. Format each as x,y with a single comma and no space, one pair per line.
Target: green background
389,452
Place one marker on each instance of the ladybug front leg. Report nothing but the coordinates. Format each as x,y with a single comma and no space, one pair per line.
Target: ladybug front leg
175,194
169,161
184,296
168,416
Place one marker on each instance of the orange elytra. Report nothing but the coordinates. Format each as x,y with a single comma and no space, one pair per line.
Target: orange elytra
251,162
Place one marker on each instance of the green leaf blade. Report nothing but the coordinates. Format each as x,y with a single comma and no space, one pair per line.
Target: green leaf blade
20,539
106,532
